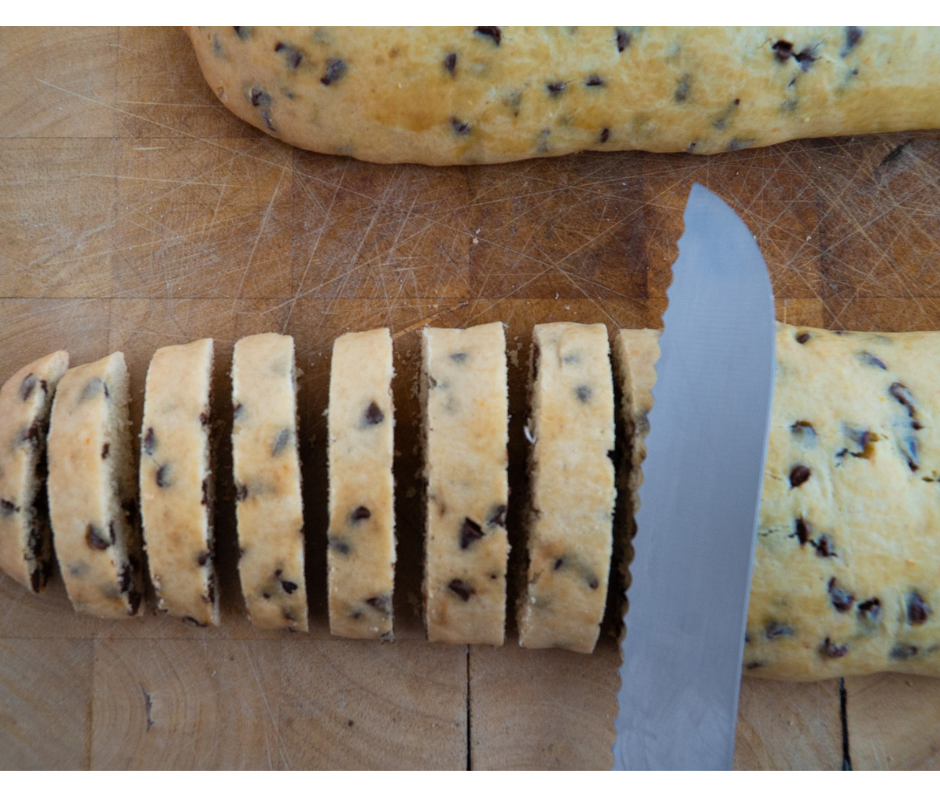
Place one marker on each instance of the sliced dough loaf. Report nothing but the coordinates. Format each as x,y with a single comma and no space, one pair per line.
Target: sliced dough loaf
465,433
266,464
93,490
361,555
176,484
572,493
25,402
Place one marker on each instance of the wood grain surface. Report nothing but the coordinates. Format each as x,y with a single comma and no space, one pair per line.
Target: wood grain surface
136,212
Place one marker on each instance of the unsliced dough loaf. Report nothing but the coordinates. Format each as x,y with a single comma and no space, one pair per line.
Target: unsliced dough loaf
176,484
361,535
266,464
465,95
847,566
93,490
25,402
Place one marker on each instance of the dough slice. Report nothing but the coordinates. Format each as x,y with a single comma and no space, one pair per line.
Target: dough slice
361,554
266,465
176,483
93,490
25,538
572,493
465,433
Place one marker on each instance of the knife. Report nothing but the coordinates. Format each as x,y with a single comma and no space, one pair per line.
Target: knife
696,525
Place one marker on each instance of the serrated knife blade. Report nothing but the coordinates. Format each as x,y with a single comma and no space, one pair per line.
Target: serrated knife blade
696,526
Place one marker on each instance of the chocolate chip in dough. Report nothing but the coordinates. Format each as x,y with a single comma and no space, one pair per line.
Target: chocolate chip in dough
244,33
604,135
360,513
872,360
903,395
823,546
382,603
458,358
470,532
583,393
95,540
852,36
450,62
241,492
373,415
497,515
491,32
681,92
903,652
833,650
105,451
291,54
8,508
150,442
259,98
802,531
92,389
783,50
288,586
335,70
870,608
594,81
623,38
803,338
281,441
798,475
918,611
203,558
841,599
163,476
461,589
339,545
775,630
555,88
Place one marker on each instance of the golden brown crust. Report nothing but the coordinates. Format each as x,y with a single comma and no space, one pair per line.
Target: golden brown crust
464,95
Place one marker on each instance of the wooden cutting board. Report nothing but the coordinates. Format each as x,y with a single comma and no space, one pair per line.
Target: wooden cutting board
136,212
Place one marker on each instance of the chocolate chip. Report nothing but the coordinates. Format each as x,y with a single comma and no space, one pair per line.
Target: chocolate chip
259,98
205,492
492,32
870,608
339,545
193,621
238,411
162,476
918,611
799,475
604,135
150,442
204,419
8,508
681,92
803,338
288,614
292,55
737,144
775,630
554,88
753,665
623,39
241,492
95,540
824,547
244,33
458,358
916,425
803,429
852,36
461,589
834,650
450,62
903,652
281,441
583,392
802,531
594,81
266,117
360,513
903,395
497,515
593,584
783,50
92,388
871,360
335,70
806,58
203,558
134,599
841,599
559,563
105,451
459,126
373,415
288,586
27,386
470,532
381,603
124,578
